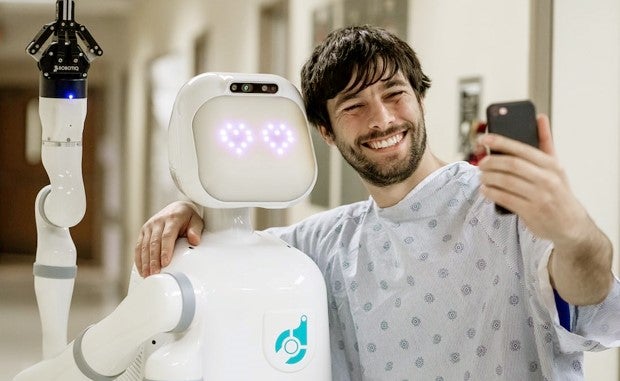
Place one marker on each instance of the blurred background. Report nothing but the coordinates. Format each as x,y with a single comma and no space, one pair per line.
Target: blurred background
565,55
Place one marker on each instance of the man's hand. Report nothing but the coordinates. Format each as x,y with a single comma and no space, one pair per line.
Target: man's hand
158,235
531,183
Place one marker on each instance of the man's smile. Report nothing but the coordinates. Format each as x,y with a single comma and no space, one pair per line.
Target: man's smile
385,142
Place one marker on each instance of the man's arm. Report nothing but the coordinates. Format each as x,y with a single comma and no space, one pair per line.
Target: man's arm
532,183
581,271
157,237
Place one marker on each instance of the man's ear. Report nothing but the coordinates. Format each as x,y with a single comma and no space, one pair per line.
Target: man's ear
326,135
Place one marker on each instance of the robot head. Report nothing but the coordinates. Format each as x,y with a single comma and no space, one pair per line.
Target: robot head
241,140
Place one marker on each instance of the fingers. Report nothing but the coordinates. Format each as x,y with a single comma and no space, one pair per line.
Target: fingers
544,135
172,230
154,249
509,180
522,176
546,148
157,238
194,230
138,252
516,148
147,249
141,251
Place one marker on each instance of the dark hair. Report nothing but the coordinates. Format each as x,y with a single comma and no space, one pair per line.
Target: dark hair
370,53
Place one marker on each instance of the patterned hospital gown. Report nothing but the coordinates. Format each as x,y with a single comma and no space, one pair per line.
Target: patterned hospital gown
440,287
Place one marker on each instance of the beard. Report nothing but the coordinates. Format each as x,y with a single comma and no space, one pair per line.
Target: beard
395,170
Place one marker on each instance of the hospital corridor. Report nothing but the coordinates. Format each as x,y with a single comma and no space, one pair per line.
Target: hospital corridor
149,64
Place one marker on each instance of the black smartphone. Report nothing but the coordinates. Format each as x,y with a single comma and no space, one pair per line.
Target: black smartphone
515,120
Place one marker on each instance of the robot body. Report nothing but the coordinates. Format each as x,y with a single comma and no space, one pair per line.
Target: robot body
260,311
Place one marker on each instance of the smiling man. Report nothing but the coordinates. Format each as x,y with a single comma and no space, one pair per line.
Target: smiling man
392,146
425,280
399,147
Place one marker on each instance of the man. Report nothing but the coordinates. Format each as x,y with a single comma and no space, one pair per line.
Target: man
425,280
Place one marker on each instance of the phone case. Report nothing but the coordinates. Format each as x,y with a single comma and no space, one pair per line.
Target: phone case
515,120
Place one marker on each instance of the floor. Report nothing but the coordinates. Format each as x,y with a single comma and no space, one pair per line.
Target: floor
20,330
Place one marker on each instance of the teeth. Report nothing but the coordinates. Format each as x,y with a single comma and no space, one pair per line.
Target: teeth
386,143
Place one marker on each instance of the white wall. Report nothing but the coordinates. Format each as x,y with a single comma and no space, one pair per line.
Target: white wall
586,119
300,21
471,38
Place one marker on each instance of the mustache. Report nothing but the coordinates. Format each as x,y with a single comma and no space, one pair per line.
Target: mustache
407,126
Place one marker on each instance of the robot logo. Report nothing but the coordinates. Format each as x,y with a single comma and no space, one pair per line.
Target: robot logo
294,342
66,68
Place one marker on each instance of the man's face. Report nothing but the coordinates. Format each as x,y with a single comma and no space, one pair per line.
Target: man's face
379,130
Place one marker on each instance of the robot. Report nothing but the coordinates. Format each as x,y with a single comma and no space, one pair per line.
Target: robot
241,305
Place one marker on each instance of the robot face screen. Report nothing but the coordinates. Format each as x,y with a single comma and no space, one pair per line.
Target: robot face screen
253,148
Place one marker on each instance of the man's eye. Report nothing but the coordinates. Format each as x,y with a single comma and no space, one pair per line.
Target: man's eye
395,94
352,107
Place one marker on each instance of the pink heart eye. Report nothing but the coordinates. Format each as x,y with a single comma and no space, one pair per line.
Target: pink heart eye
236,137
278,137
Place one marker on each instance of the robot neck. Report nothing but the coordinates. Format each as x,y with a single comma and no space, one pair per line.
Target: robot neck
236,220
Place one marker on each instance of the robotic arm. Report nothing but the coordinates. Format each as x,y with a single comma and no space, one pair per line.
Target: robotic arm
160,303
62,95
64,65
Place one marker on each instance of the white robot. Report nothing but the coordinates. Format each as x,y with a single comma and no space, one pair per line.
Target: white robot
242,305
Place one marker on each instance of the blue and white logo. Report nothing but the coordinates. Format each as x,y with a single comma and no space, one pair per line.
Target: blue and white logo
294,342
289,338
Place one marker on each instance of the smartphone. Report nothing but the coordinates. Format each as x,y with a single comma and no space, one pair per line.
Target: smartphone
515,120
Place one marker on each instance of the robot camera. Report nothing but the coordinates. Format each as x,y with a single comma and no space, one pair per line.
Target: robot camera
265,88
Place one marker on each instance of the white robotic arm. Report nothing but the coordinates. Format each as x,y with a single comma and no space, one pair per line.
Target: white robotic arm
62,123
62,204
160,303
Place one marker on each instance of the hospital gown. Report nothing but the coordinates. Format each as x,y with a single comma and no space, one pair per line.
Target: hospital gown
441,287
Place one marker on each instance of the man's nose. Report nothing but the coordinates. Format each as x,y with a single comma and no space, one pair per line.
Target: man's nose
381,116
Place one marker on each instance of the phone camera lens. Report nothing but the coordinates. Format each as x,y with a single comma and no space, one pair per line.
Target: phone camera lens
247,87
234,87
